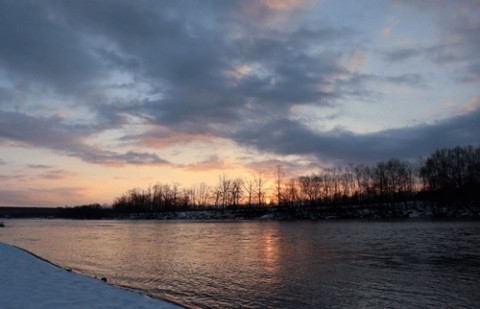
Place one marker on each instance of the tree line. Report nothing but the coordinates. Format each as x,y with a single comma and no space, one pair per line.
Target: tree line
446,176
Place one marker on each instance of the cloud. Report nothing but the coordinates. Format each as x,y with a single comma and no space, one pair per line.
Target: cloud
270,13
16,198
284,5
471,73
132,157
161,137
212,163
287,137
357,59
39,48
457,40
52,133
275,77
385,32
57,174
186,64
362,86
41,197
212,70
16,177
403,53
472,106
411,79
290,167
39,166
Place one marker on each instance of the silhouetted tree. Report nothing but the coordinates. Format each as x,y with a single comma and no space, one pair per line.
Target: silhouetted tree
448,176
291,195
279,184
260,187
249,188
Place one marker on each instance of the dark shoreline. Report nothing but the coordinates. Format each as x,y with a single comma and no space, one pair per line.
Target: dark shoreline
403,210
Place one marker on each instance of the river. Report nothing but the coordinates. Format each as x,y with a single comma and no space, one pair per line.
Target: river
252,264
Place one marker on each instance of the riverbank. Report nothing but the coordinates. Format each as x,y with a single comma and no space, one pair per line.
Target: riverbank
378,210
27,281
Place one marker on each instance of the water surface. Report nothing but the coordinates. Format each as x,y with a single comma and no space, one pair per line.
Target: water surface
337,264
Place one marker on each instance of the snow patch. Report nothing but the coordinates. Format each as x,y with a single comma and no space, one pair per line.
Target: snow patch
29,282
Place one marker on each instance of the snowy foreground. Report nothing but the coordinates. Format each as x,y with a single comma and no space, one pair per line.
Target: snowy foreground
29,282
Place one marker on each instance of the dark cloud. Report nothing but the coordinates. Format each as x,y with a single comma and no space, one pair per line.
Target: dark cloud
149,39
412,80
50,132
439,53
131,157
53,133
355,86
39,48
457,39
190,62
402,54
221,68
471,74
288,137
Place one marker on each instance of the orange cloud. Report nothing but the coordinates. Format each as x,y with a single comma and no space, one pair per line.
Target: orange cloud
357,59
472,105
212,163
272,12
285,5
385,32
173,139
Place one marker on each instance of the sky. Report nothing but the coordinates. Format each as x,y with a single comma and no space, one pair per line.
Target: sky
99,97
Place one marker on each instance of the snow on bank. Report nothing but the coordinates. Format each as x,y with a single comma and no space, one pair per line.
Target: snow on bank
29,282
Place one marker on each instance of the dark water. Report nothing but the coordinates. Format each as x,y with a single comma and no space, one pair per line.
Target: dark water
340,264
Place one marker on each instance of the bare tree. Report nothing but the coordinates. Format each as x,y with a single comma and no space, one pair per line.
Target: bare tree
291,194
228,192
279,184
191,196
260,187
236,191
309,186
249,188
203,193
393,178
364,179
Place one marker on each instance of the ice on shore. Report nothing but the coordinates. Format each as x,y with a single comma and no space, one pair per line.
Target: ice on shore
29,282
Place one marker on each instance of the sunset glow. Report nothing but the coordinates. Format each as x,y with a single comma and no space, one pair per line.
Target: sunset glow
100,97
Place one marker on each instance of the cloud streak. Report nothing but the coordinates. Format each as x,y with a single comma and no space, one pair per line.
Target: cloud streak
52,133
